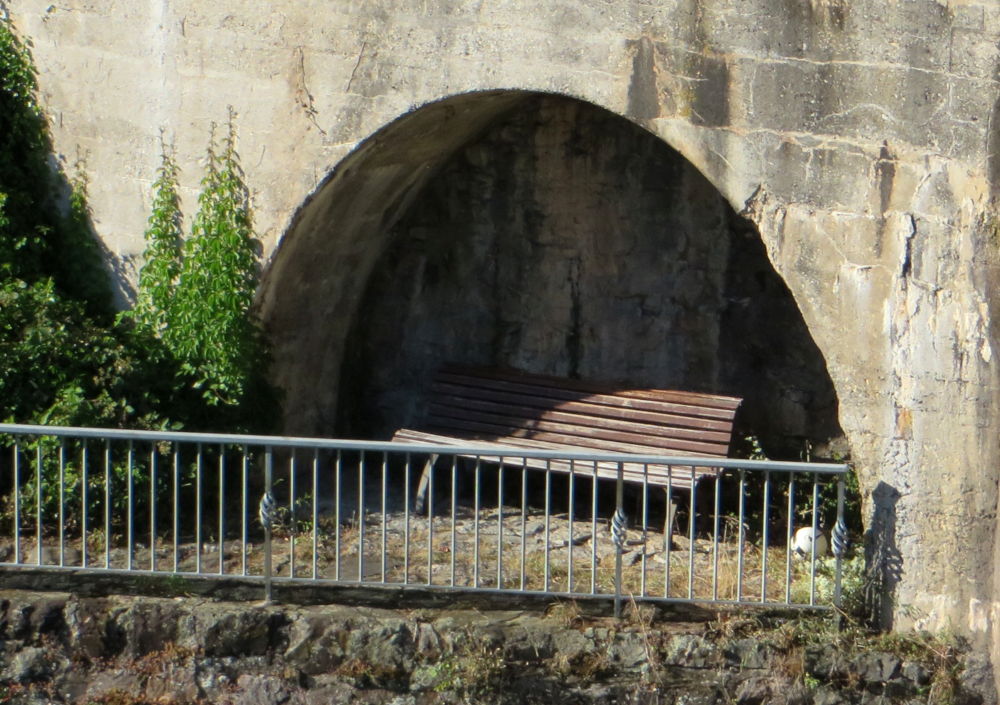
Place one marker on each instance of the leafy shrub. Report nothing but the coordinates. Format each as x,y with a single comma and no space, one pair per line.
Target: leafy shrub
195,297
190,347
210,327
162,258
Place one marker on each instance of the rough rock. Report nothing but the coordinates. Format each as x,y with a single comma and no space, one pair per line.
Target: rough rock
262,690
243,654
975,679
31,664
876,668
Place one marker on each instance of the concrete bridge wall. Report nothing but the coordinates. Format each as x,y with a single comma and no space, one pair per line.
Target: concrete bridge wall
858,135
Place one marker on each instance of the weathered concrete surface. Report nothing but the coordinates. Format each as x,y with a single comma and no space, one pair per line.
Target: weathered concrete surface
859,136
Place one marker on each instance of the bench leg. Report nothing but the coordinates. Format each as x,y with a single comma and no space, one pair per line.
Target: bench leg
425,479
668,525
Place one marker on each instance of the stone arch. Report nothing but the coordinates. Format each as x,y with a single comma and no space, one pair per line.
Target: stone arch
619,260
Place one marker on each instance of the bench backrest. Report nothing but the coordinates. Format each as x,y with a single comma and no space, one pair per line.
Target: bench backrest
494,405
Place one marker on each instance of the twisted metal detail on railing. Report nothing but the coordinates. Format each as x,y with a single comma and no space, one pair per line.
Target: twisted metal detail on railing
841,538
619,526
268,510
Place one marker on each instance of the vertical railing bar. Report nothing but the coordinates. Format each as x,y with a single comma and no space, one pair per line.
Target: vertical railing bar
570,582
668,530
815,540
430,523
130,518
645,523
454,516
500,526
199,462
766,535
244,489
222,509
620,544
715,538
17,500
107,504
385,472
593,532
691,523
548,516
788,538
361,517
152,506
475,524
337,513
268,553
315,514
84,514
62,502
741,537
38,502
406,519
292,518
177,505
524,521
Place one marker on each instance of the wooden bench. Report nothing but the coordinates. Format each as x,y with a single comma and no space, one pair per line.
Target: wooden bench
490,407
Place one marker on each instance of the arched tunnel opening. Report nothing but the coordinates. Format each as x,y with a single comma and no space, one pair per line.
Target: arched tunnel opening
565,240
543,234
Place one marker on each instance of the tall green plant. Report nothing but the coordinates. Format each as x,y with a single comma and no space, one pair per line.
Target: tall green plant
162,258
24,175
38,237
211,329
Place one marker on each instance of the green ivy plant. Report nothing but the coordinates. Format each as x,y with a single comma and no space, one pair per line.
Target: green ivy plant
24,147
39,238
55,345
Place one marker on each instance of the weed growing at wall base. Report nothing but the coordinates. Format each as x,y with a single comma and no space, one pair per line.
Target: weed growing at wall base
162,259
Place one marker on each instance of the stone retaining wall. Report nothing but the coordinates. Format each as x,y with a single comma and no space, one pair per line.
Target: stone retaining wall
61,648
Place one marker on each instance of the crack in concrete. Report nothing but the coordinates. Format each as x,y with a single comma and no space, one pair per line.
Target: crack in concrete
354,71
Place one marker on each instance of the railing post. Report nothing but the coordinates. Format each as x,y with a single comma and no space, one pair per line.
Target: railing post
62,507
814,541
267,507
17,502
840,540
618,526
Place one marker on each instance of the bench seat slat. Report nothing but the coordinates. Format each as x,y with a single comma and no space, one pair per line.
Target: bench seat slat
655,475
560,387
623,399
528,418
527,406
566,434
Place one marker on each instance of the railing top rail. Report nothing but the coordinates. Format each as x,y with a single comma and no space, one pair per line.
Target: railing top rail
390,447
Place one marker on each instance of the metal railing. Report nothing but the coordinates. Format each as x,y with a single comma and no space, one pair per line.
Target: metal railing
341,511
